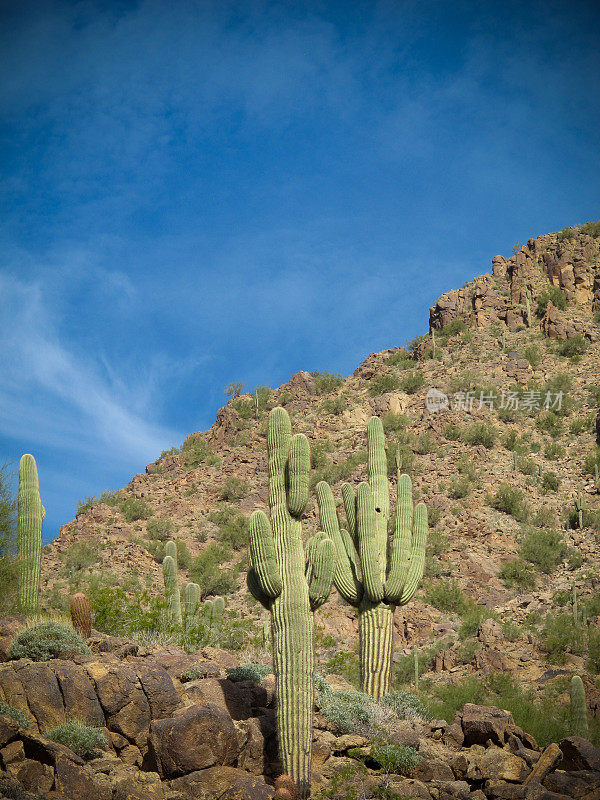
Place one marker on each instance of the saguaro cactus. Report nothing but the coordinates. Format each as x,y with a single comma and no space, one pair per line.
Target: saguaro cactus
580,507
192,604
172,590
388,579
579,720
29,532
291,582
81,614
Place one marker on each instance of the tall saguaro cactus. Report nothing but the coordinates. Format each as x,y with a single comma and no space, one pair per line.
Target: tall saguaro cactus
29,532
291,581
370,575
172,590
192,605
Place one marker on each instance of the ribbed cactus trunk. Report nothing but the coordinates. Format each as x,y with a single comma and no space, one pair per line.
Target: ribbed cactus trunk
579,720
192,605
291,581
375,634
81,614
29,533
389,579
172,595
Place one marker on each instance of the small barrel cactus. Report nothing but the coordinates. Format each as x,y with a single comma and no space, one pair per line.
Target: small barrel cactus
81,614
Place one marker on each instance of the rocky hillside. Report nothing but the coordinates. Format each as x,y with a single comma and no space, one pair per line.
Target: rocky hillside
500,453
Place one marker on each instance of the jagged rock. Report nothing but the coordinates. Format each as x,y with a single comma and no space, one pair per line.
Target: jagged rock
9,729
43,694
545,764
32,775
578,753
223,783
194,739
409,787
78,694
483,723
580,783
73,781
260,744
123,700
496,763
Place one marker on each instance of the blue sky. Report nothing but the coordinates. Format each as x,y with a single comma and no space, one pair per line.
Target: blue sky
195,193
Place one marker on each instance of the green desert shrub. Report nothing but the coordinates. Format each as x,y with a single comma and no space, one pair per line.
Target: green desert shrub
550,482
348,712
550,422
232,525
207,570
554,295
383,383
575,346
405,704
480,433
326,382
553,451
544,549
400,759
452,432
346,664
510,500
533,354
134,509
79,556
395,422
160,528
196,450
517,574
559,637
6,710
446,595
400,358
459,488
412,382
591,462
591,229
249,672
47,640
453,328
81,739
233,489
334,405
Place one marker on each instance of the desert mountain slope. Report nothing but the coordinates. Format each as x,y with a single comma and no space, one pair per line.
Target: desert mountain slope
516,352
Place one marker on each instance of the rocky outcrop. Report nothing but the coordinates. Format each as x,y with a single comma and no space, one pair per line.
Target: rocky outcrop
571,263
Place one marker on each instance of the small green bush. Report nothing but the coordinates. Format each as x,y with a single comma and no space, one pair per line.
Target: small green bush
6,710
510,500
446,595
207,570
80,556
81,739
395,422
592,460
326,382
134,509
459,488
249,672
348,712
233,489
591,229
412,382
47,640
334,405
480,433
575,346
453,328
550,482
397,758
452,432
196,450
544,549
554,295
550,422
559,636
233,526
518,574
160,528
400,358
553,451
533,355
193,674
405,704
383,383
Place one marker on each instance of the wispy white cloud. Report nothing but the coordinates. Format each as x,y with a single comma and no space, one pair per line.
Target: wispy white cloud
52,396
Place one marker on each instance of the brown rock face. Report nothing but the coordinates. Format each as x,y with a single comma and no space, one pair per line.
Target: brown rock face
194,739
579,754
482,723
74,782
224,783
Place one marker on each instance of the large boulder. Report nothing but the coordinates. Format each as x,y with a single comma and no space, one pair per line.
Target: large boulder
481,724
195,738
224,783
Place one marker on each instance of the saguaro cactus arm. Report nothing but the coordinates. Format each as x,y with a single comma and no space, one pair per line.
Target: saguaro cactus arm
264,559
407,559
320,568
346,577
